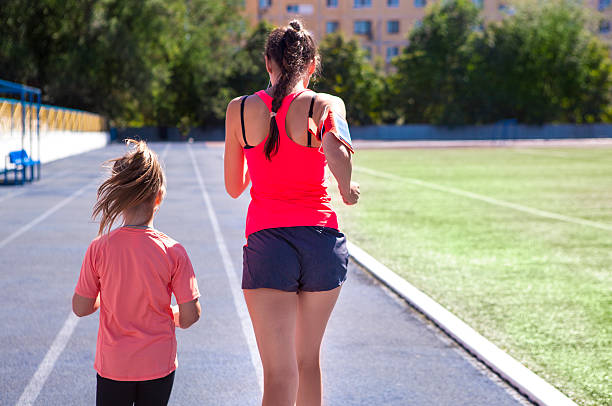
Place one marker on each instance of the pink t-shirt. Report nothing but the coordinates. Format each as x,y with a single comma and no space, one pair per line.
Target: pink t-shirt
136,271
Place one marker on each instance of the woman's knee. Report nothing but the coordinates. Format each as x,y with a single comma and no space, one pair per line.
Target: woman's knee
286,375
310,362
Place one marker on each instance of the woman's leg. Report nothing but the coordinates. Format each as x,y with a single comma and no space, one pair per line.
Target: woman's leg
273,313
313,311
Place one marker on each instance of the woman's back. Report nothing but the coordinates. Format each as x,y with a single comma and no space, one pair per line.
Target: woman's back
289,189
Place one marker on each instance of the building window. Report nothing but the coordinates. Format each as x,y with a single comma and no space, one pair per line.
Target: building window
362,3
306,9
420,3
478,3
604,26
363,27
368,51
603,4
265,3
331,27
418,23
392,52
504,8
332,3
393,3
393,26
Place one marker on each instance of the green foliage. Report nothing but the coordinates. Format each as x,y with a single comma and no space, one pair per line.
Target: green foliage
430,83
347,74
249,72
137,62
178,63
542,65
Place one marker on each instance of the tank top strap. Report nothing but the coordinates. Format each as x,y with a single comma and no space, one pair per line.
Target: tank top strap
266,98
281,115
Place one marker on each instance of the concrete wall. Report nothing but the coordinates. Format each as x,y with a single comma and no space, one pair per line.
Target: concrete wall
53,144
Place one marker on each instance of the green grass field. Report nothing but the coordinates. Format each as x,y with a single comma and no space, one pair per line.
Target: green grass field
538,287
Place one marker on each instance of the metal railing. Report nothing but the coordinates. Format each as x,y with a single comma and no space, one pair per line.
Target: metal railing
50,118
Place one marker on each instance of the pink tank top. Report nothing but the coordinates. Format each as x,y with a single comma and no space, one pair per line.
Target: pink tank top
290,190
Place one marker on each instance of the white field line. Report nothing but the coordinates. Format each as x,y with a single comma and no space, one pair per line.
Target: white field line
234,284
30,393
543,152
491,200
530,384
46,214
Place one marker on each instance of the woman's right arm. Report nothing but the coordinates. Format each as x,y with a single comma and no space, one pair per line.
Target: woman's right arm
339,158
236,172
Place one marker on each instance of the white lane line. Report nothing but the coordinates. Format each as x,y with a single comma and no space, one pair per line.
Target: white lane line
165,152
30,393
476,196
46,214
241,309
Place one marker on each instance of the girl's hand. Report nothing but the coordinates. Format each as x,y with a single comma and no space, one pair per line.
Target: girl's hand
351,196
175,315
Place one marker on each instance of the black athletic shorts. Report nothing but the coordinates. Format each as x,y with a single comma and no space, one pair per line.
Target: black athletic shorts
293,259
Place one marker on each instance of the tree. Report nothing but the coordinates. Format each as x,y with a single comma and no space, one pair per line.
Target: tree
431,82
346,73
542,65
249,71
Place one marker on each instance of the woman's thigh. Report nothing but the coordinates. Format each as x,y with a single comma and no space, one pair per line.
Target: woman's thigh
313,312
273,313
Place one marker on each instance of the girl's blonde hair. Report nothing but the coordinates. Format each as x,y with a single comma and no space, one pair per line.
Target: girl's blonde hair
136,179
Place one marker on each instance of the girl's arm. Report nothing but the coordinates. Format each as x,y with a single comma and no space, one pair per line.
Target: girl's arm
339,159
84,306
236,172
186,314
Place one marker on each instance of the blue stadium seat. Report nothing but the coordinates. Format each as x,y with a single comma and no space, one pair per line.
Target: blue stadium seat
20,161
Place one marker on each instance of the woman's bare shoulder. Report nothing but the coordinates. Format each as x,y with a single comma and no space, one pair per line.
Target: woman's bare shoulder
332,102
233,106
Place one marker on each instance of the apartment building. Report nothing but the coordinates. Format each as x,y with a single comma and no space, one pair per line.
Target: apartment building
382,26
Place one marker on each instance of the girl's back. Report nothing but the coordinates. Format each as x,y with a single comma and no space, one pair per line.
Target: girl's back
130,274
136,271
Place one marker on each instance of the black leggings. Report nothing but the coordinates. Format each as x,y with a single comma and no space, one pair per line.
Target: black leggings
140,393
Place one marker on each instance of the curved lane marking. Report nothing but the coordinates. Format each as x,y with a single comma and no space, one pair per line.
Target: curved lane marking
239,304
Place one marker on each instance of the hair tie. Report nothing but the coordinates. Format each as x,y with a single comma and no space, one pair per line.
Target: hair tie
272,114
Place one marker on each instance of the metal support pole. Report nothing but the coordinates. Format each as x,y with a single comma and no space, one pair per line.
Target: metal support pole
38,131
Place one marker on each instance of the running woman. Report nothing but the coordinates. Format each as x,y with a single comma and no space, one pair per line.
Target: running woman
293,243
130,274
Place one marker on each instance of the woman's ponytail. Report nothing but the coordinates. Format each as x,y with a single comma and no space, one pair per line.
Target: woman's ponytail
292,49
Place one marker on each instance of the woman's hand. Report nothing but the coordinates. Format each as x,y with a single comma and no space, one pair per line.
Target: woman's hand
351,196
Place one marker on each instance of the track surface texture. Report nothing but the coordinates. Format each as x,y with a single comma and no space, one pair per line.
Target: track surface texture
377,350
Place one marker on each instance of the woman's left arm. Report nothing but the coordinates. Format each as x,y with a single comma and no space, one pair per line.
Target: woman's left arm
236,171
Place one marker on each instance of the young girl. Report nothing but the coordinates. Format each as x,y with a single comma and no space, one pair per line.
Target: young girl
130,273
